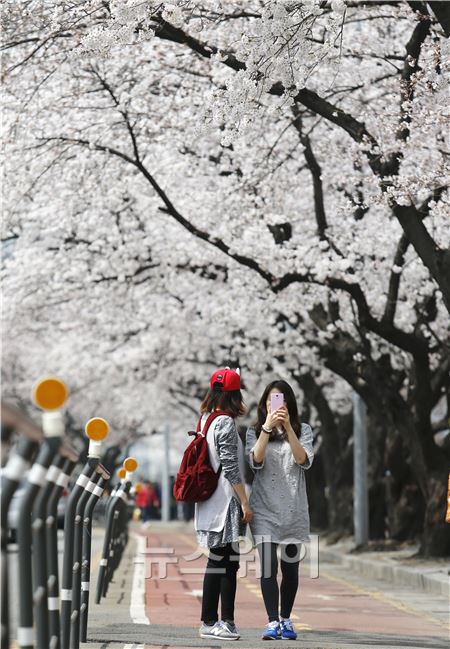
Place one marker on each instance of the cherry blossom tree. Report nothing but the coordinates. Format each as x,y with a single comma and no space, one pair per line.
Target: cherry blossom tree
264,183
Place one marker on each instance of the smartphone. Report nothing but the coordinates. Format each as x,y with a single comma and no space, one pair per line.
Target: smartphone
276,401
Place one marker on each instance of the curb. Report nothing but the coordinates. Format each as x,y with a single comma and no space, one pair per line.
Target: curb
428,580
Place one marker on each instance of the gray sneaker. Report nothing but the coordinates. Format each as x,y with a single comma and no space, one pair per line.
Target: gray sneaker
219,631
232,628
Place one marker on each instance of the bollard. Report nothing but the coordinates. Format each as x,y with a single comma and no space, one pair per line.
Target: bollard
66,581
77,559
119,537
49,394
86,553
40,554
109,523
109,568
121,473
13,473
118,503
35,480
51,531
96,429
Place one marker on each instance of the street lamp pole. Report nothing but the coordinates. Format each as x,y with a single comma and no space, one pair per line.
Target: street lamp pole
165,486
360,492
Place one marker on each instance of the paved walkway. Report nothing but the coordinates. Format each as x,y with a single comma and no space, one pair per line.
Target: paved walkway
155,602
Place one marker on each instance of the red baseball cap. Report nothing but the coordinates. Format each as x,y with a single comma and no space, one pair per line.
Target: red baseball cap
229,379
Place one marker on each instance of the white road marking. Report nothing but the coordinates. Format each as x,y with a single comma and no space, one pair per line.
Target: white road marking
137,603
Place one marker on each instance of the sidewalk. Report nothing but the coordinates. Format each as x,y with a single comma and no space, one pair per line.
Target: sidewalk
393,566
155,603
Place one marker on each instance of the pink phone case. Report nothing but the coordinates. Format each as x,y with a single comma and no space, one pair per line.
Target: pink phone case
276,401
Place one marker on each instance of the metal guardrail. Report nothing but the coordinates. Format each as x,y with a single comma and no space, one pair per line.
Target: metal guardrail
51,614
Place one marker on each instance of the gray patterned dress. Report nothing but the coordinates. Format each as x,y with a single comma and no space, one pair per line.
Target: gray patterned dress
227,445
278,499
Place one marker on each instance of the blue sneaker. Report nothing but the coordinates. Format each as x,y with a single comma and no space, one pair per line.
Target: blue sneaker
287,630
272,631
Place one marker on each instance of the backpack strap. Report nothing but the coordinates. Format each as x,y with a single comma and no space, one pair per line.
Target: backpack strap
208,422
210,419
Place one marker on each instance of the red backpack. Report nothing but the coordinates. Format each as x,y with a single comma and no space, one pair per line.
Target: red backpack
196,480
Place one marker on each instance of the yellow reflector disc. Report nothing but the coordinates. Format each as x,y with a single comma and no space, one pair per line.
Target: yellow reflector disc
50,393
97,429
130,464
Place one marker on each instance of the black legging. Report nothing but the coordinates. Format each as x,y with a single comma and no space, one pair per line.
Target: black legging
220,580
289,582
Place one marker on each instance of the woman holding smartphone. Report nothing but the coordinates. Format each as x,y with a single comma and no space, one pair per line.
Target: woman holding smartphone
279,449
221,520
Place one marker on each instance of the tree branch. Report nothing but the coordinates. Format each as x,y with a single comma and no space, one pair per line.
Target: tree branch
105,85
386,330
399,259
394,280
316,174
437,262
442,12
411,66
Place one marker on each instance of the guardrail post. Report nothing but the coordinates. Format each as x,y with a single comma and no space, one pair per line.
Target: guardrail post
50,395
40,553
69,524
35,480
118,502
52,552
109,523
96,429
13,420
112,543
77,560
86,554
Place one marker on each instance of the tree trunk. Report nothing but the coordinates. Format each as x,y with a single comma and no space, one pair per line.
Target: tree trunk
421,502
336,458
377,439
317,501
405,505
442,12
435,541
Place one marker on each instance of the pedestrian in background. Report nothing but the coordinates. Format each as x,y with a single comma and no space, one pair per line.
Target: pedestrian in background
221,519
142,500
151,509
279,449
148,502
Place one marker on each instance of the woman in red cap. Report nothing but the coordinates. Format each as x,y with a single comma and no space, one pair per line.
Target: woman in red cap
221,520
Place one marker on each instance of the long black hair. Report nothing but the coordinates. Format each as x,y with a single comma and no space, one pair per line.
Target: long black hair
291,403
